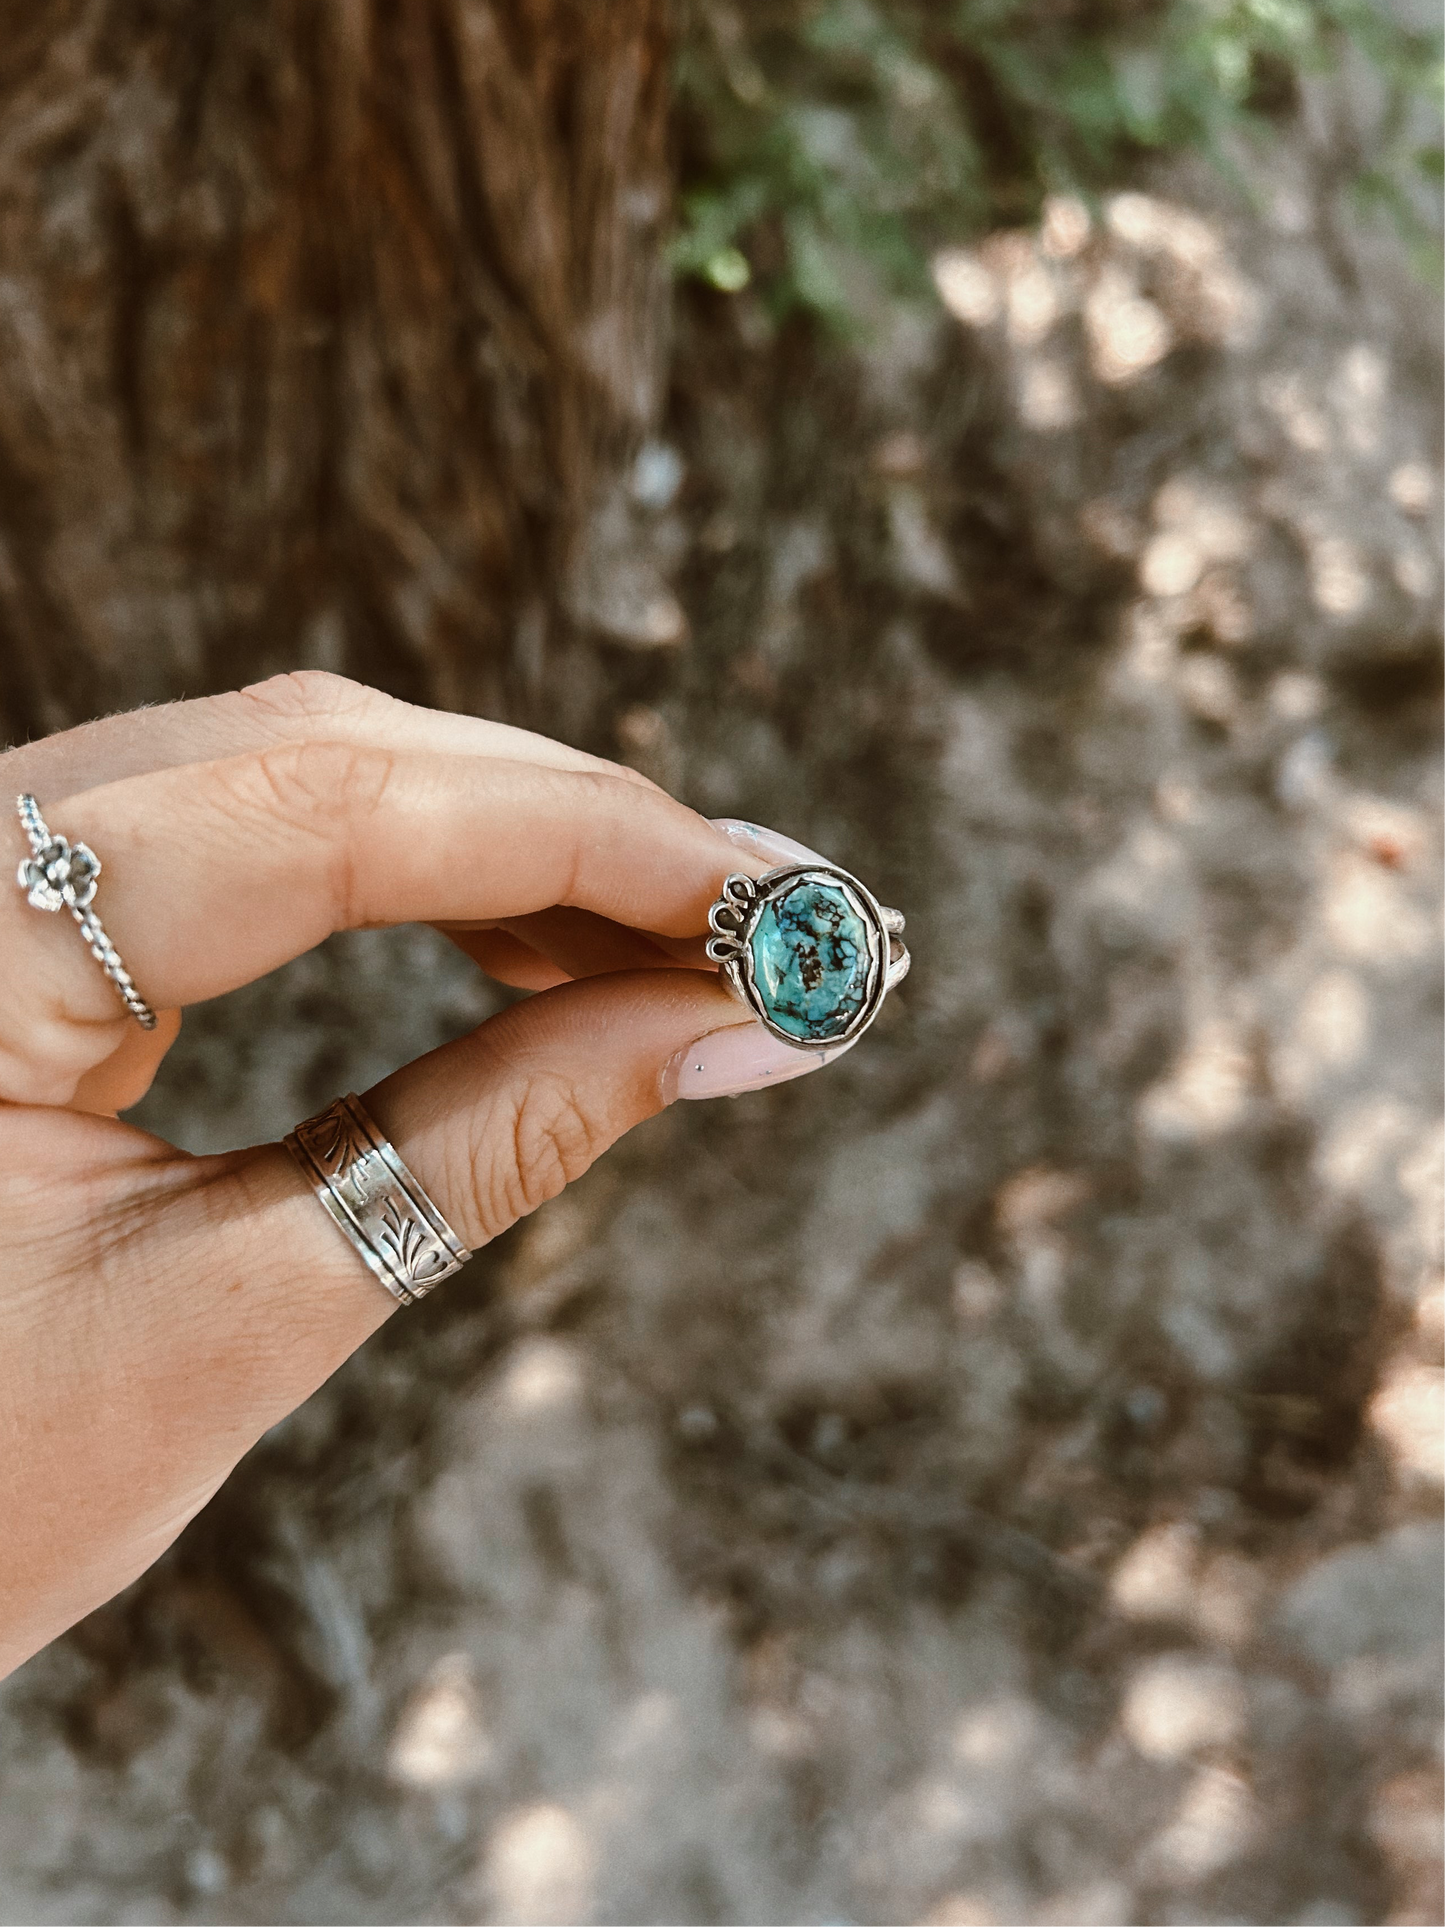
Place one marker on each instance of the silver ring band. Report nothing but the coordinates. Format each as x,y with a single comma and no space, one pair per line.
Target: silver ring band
809,950
369,1193
58,875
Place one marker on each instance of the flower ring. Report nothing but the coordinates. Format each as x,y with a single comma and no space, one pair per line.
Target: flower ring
60,875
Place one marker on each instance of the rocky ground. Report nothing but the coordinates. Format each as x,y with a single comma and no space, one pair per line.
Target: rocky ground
997,1480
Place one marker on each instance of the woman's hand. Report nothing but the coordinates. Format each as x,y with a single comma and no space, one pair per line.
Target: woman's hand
158,1312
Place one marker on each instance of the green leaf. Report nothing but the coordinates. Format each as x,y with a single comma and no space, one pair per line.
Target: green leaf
821,132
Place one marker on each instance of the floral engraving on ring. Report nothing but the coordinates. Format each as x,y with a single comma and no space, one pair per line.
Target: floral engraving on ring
60,875
333,1140
410,1247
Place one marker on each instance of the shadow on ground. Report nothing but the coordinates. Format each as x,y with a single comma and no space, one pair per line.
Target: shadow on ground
995,1481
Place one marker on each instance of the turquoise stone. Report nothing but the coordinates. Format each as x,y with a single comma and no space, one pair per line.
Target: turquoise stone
810,960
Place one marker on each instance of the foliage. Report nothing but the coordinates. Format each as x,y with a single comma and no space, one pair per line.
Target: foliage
822,134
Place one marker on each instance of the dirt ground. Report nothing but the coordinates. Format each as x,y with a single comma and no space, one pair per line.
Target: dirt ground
997,1480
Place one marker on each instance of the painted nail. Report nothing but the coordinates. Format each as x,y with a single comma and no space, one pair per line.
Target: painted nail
743,1057
771,845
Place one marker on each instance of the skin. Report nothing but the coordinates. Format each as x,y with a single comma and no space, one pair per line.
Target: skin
158,1311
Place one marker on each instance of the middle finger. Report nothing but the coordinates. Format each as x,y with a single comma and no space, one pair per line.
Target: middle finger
217,873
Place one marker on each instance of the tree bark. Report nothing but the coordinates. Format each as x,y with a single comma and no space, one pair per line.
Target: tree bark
327,328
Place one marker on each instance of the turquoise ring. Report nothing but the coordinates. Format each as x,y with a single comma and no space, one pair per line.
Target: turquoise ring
809,950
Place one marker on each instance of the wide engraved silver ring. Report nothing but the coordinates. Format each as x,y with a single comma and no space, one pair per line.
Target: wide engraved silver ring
374,1200
809,950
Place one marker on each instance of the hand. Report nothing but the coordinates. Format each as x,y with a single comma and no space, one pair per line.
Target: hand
158,1312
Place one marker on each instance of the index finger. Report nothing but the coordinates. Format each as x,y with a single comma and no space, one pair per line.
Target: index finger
303,705
217,873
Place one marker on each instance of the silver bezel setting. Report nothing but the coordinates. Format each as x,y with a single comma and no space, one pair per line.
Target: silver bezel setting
734,917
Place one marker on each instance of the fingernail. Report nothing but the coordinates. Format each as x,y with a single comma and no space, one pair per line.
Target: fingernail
744,1057
771,845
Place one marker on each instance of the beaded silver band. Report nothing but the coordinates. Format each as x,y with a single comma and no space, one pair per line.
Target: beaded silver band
375,1200
59,875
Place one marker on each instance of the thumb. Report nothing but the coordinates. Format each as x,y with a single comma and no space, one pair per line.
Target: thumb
499,1122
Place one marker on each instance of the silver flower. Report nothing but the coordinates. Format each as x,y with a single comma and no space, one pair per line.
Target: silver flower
60,876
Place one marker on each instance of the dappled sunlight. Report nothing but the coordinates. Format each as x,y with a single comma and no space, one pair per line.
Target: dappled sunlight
1207,1089
1286,394
1365,1141
950,1808
1430,1312
1154,226
1264,586
1223,306
1421,1178
1033,282
1109,528
1155,1578
538,1867
1221,608
1034,1199
1047,397
1371,914
1002,1732
440,1740
1172,563
1167,1575
544,1373
1214,1824
1128,333
1304,778
1412,488
1357,392
1189,569
1339,578
1207,514
1209,689
1330,1033
1226,1602
1035,302
966,287
1178,798
1065,228
1408,1413
977,1293
1414,570
1296,697
1178,1705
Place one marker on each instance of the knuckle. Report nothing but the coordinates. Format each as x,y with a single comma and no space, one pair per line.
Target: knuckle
327,792
311,696
615,772
545,1141
308,781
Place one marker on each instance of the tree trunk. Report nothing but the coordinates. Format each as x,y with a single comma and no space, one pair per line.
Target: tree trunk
327,328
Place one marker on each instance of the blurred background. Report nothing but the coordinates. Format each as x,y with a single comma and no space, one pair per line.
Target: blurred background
997,443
